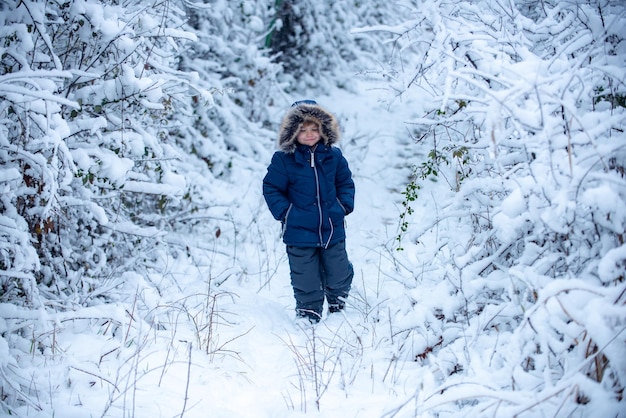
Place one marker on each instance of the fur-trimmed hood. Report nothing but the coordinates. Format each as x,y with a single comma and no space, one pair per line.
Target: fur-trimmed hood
297,116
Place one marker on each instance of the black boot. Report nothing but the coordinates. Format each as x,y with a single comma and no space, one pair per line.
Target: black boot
336,307
313,316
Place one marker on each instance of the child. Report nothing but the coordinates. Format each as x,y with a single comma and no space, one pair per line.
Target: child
309,188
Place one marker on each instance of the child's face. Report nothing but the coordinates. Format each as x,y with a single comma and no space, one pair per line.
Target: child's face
309,134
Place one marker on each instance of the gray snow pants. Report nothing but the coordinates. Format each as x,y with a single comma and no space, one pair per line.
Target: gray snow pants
317,273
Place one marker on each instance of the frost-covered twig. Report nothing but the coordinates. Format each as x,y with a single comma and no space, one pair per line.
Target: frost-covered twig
187,382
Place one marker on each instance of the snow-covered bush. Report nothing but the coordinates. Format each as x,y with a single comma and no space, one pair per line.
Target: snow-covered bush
94,174
314,41
87,95
519,127
228,55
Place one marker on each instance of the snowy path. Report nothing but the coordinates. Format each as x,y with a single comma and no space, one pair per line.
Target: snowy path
288,367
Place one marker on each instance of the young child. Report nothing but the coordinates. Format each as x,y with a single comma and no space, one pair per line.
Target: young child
309,188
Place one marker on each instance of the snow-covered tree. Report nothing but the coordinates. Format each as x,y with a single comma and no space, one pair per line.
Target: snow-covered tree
228,56
88,87
315,43
519,128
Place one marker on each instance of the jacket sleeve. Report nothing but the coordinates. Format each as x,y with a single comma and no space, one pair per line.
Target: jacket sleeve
344,184
275,185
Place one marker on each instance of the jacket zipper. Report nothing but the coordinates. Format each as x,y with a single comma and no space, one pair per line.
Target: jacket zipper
317,196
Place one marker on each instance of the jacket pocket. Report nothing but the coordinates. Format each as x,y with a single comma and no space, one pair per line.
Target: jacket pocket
345,211
285,220
337,213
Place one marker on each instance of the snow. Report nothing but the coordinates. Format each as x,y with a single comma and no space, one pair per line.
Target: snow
505,298
613,264
11,174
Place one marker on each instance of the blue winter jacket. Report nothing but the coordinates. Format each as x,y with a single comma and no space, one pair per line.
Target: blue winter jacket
309,189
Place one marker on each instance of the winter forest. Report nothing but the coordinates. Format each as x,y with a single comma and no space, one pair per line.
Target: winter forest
141,274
